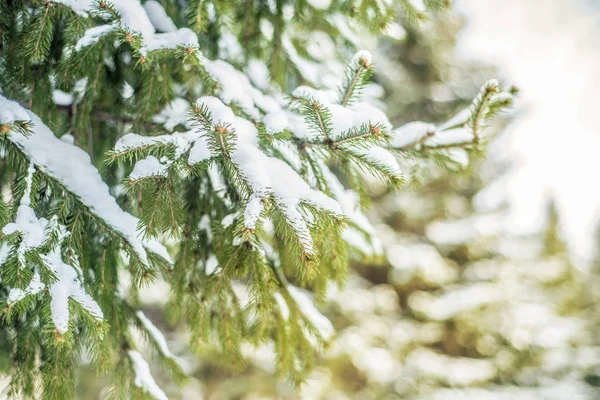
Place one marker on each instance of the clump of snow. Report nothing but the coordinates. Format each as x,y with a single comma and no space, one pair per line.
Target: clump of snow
81,7
362,57
211,265
320,4
158,16
143,377
235,87
181,140
92,35
258,73
419,5
33,230
34,287
148,167
175,113
155,334
410,133
67,286
61,98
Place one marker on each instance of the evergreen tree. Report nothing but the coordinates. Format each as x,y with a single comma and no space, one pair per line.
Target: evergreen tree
134,150
460,311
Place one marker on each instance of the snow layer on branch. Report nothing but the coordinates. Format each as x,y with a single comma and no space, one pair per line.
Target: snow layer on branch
32,229
81,7
67,286
94,34
235,87
419,5
310,312
35,286
155,334
458,120
359,114
175,113
158,16
143,377
358,240
61,98
410,133
452,136
135,18
380,156
148,167
34,232
269,176
71,166
211,265
348,199
362,56
181,140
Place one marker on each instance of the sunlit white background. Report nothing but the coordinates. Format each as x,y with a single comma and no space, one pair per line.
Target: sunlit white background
551,50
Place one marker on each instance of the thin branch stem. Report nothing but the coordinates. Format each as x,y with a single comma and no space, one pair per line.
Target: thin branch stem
350,89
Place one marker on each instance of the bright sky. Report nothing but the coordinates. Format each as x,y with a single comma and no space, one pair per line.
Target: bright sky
552,53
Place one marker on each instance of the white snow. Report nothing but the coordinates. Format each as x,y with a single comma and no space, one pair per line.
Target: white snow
410,133
419,5
310,312
200,151
320,4
59,160
454,302
211,265
551,146
67,286
267,175
362,56
175,113
258,73
454,371
33,230
34,287
235,87
81,7
158,16
452,136
61,98
92,35
136,19
155,334
143,377
148,167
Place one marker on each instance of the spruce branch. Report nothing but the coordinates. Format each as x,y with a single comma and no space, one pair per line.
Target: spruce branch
318,117
480,108
357,75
